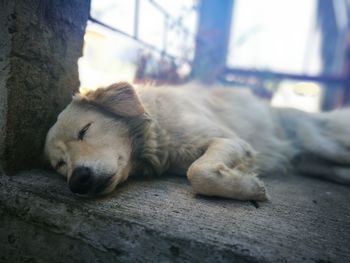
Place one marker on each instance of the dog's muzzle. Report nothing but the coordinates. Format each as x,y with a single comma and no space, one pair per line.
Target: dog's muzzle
83,181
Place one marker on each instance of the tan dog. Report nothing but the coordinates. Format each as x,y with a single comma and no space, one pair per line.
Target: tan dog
220,137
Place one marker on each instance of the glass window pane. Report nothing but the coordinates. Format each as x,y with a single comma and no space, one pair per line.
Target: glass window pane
151,24
275,35
115,13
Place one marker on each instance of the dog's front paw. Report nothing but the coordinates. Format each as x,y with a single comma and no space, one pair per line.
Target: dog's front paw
242,185
260,191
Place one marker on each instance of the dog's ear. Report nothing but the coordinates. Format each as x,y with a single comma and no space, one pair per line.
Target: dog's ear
119,98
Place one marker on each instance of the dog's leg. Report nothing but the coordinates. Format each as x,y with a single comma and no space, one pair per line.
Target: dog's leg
314,166
337,174
227,170
321,142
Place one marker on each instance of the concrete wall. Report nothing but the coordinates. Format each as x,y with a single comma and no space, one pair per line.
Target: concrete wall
38,72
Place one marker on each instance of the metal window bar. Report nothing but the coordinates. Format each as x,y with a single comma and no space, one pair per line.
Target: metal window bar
135,36
331,82
280,76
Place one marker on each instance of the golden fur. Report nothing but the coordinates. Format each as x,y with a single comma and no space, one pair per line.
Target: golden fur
221,138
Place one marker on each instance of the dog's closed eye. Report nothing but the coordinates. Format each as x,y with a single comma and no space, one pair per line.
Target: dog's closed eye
83,131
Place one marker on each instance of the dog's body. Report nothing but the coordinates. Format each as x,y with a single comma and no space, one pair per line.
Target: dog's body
220,137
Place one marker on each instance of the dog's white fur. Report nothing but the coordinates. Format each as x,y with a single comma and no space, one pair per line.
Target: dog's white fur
220,137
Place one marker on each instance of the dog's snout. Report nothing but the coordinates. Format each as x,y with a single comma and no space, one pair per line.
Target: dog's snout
81,180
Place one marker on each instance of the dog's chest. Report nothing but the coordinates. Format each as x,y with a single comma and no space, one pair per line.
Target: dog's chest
180,154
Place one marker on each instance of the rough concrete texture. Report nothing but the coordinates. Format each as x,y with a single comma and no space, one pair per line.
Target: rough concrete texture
162,221
43,40
6,23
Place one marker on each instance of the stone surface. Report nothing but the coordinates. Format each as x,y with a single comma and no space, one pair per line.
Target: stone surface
38,72
161,220
6,24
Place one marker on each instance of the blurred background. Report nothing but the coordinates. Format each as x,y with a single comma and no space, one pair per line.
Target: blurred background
293,53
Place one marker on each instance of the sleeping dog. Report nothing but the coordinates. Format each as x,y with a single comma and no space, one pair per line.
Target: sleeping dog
220,138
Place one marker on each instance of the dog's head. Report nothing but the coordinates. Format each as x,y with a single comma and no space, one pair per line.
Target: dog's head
90,144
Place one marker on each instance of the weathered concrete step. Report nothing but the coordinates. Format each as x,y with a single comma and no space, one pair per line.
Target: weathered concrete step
162,221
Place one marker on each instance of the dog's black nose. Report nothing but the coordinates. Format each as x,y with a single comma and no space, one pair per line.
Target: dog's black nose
81,180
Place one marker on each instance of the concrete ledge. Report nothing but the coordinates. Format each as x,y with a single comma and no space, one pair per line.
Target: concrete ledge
161,221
